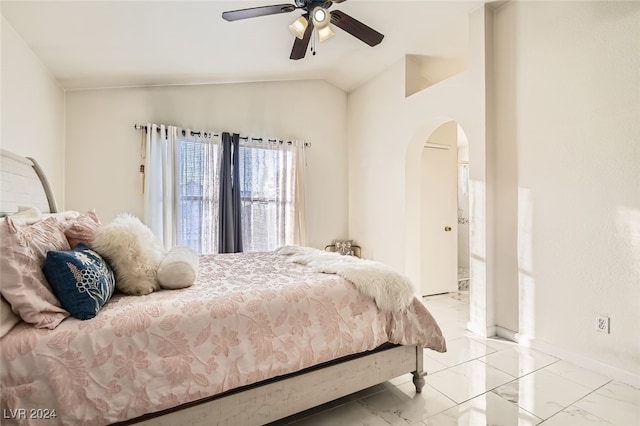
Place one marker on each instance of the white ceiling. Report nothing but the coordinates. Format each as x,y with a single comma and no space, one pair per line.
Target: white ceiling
91,44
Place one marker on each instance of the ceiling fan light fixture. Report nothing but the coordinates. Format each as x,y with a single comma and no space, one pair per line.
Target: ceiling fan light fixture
298,27
325,33
316,16
320,17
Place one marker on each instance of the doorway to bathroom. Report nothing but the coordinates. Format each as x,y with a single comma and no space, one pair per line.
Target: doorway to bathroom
444,206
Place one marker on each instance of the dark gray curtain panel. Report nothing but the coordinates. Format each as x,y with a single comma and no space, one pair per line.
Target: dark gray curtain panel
230,223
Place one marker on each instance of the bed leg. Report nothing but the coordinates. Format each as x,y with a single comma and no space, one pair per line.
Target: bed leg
418,380
419,373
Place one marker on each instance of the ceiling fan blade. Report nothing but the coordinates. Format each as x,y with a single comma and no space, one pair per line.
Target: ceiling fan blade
253,12
356,28
300,46
337,1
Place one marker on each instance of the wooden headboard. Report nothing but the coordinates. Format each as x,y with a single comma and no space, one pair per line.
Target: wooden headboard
23,183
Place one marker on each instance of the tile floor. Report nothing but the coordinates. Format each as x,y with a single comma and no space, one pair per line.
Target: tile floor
483,382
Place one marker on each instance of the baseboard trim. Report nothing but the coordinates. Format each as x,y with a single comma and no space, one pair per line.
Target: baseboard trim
481,330
615,373
507,334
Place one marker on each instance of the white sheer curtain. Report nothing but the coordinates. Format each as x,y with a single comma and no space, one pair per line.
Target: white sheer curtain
198,158
272,194
159,185
181,187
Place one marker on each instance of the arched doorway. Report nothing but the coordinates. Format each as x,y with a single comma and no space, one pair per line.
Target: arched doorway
438,211
439,130
444,239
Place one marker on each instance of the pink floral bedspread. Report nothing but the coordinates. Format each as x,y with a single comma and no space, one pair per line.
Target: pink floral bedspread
247,318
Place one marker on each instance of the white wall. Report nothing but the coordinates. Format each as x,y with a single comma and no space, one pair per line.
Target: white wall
463,218
568,92
103,149
32,104
386,134
551,107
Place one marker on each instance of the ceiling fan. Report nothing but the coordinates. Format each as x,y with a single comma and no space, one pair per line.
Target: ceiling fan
316,15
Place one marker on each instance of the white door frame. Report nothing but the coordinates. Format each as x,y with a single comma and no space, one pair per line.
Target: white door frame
481,223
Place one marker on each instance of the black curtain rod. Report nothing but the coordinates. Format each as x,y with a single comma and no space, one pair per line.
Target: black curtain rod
208,135
280,141
184,132
204,135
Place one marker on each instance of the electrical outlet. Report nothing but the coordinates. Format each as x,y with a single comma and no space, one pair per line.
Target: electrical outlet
602,324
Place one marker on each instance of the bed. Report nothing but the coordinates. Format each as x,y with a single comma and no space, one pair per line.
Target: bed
257,338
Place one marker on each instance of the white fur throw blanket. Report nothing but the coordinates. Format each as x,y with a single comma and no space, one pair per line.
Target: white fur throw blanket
391,291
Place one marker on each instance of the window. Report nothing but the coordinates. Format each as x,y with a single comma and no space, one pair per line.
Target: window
197,173
267,196
183,184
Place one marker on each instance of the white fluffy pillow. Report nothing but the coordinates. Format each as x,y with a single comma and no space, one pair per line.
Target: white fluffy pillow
132,251
179,268
26,215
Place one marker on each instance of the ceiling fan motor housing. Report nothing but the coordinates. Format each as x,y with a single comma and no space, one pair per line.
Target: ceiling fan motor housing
309,5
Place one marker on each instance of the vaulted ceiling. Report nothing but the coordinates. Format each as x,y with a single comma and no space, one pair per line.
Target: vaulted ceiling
91,44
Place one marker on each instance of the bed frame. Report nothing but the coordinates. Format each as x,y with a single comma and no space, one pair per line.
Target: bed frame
22,183
277,398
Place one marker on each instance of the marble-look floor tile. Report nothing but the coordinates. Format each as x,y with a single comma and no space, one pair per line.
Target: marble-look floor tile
460,350
486,409
452,319
542,393
574,416
351,414
430,365
451,311
403,406
446,314
333,404
456,298
468,380
486,395
615,402
494,342
577,374
452,331
518,361
443,313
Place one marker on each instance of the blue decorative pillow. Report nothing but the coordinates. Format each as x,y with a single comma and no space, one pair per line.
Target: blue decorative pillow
81,279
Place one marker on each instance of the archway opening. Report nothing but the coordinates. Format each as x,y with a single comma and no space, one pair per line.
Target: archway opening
439,135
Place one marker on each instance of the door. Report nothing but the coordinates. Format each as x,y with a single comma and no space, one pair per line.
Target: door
439,220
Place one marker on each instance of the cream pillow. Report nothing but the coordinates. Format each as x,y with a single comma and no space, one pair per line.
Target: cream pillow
178,269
